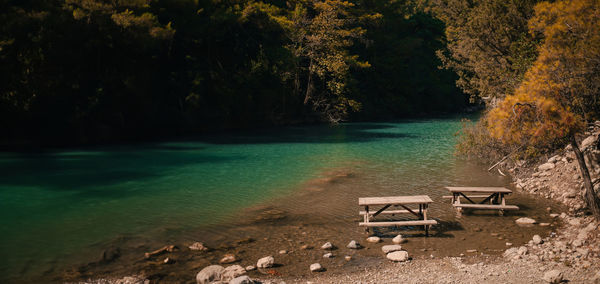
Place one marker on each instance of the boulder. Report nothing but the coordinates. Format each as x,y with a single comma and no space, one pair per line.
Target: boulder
241,280
353,245
553,276
391,248
537,239
588,142
546,166
198,246
316,267
228,258
232,272
397,256
265,262
525,221
209,274
398,239
373,239
327,246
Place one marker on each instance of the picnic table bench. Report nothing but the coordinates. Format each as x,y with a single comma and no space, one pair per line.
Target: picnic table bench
422,201
495,197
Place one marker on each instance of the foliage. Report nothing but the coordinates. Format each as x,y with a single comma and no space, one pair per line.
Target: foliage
488,44
82,71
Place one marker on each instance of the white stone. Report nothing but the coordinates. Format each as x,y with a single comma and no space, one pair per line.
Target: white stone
398,239
327,245
397,256
316,267
241,280
209,274
283,251
525,221
231,272
553,276
353,245
347,258
328,255
546,166
391,248
265,262
250,267
373,239
537,239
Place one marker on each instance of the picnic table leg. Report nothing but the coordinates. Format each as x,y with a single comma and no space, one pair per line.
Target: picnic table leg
425,218
503,200
456,200
367,218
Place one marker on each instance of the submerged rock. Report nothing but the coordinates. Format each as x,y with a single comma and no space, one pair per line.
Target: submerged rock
316,267
228,258
327,246
209,274
353,245
397,256
198,246
110,254
265,262
391,248
398,239
373,239
525,221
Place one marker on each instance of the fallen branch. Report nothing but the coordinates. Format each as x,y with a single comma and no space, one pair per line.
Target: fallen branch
169,248
505,157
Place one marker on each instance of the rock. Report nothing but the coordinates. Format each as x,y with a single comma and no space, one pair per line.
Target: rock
283,251
228,258
509,244
570,194
110,254
231,272
546,166
398,239
554,159
471,250
553,276
347,258
373,239
250,268
353,245
574,222
198,246
328,255
554,215
525,221
305,247
537,239
316,267
522,250
577,243
544,224
241,280
168,260
327,246
265,262
588,142
209,274
391,248
397,256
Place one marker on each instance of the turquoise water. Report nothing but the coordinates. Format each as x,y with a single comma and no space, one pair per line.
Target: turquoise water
57,205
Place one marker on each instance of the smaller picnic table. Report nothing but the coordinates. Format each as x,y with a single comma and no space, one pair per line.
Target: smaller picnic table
398,201
494,196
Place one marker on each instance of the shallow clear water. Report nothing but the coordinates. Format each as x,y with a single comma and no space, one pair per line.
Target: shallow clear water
59,207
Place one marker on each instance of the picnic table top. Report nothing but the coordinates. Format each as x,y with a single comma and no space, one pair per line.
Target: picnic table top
414,199
479,189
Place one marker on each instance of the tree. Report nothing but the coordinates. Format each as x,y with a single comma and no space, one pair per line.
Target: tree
487,44
560,92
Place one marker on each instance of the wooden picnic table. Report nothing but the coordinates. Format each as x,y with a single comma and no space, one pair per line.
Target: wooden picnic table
495,197
422,201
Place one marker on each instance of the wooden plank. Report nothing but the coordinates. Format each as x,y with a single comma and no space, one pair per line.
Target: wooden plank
399,223
415,199
486,206
468,195
478,189
384,212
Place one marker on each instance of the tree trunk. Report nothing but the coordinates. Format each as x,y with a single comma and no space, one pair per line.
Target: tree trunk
590,196
309,85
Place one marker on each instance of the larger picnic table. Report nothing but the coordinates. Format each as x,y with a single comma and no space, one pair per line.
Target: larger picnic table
422,201
494,198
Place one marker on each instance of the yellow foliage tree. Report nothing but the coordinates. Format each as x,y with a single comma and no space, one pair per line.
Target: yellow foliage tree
560,92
